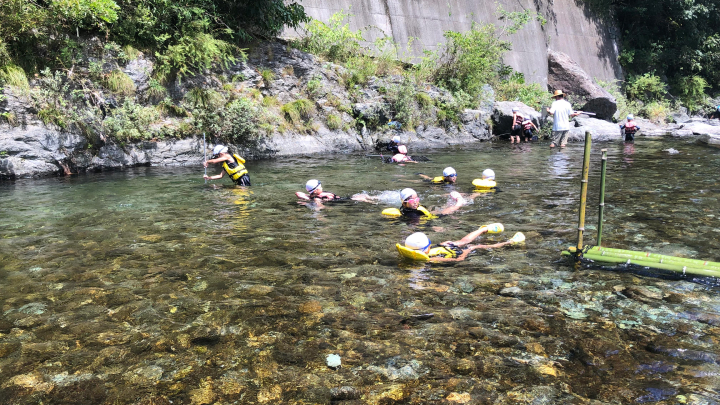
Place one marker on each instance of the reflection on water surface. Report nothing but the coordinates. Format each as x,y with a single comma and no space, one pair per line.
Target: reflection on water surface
147,286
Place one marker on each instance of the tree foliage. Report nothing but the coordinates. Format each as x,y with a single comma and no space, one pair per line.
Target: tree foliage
39,33
675,39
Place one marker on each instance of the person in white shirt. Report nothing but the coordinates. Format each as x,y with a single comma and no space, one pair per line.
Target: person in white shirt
561,111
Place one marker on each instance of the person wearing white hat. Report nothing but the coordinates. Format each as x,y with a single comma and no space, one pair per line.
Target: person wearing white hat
315,192
232,164
452,251
517,120
394,144
629,129
411,208
449,176
562,111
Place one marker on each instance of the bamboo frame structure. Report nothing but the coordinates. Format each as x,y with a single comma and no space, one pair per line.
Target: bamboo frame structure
601,210
583,188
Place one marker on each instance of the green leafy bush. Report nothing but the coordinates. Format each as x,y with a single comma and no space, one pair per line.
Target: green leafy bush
514,88
469,60
130,122
691,90
236,123
195,53
647,87
334,40
313,86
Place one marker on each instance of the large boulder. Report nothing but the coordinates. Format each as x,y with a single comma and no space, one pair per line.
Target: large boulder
601,130
568,76
502,115
701,128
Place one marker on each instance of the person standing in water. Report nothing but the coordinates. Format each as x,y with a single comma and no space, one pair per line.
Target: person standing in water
629,129
232,164
561,111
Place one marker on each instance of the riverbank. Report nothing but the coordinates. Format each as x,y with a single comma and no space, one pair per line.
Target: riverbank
278,102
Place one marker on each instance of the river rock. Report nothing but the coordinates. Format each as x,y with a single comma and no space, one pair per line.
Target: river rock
713,140
601,130
568,76
702,128
502,115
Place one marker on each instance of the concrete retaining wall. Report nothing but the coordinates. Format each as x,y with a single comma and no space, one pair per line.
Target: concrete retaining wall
571,29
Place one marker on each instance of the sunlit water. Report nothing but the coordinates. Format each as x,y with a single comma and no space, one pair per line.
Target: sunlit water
147,286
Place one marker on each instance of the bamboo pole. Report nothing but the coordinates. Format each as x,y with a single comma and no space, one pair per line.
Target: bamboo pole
653,257
678,268
583,189
601,210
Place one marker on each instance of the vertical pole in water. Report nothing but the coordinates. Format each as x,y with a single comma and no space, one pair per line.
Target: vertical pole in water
583,190
205,154
601,211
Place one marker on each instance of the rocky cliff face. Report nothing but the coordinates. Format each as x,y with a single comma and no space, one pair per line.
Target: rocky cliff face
571,28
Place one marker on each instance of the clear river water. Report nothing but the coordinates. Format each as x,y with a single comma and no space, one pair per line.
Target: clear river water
147,286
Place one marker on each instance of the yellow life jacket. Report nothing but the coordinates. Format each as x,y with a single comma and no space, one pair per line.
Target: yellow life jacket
484,184
438,180
237,170
443,251
394,212
438,251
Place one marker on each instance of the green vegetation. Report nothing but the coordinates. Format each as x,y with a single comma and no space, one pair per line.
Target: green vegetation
120,83
14,76
514,88
678,41
298,112
334,122
267,75
185,36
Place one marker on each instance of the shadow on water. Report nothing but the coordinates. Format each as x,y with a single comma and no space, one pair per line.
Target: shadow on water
148,286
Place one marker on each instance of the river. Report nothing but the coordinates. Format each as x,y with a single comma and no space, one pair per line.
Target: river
147,286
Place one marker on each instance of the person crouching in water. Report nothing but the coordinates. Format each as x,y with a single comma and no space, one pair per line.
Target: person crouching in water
629,129
517,120
449,176
418,246
232,164
394,144
315,192
401,156
528,127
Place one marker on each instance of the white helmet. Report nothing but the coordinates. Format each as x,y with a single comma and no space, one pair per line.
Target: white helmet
449,171
311,185
406,193
396,138
218,149
488,174
417,241
515,109
630,117
402,149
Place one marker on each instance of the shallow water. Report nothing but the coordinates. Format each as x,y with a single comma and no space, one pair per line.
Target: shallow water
147,286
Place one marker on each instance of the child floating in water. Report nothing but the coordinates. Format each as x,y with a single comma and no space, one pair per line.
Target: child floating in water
449,176
315,192
487,182
418,246
412,209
